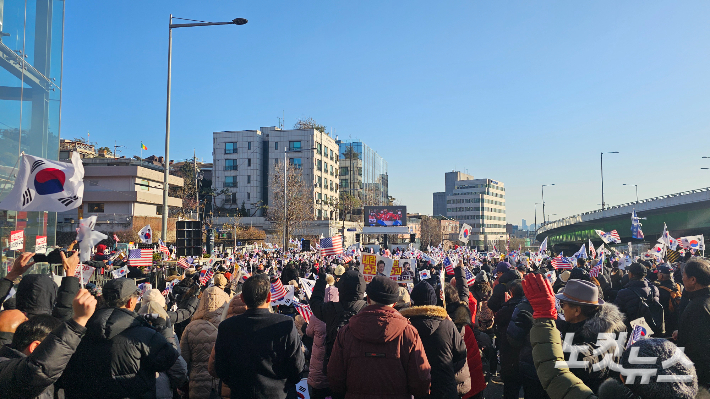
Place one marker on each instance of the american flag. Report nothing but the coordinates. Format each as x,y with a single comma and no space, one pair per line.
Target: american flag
162,248
304,311
448,265
140,257
169,287
560,262
592,251
597,268
615,236
205,276
470,277
331,246
347,259
183,263
277,290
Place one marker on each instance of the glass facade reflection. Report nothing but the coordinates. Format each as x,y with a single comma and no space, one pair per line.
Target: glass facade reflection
363,173
31,40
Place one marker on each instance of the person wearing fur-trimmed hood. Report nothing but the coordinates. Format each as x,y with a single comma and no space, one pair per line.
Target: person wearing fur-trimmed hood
586,317
443,344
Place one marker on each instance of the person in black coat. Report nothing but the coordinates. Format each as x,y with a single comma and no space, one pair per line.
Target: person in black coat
444,346
121,353
505,275
258,353
509,354
629,298
351,291
694,326
40,350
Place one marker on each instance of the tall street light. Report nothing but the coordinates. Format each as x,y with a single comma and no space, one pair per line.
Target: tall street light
543,201
602,169
637,190
536,217
171,25
286,152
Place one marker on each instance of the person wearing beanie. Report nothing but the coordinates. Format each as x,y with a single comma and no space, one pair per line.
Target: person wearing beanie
444,345
336,314
505,275
404,300
637,290
394,364
220,280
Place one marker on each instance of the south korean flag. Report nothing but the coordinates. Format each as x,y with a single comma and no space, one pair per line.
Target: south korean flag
45,185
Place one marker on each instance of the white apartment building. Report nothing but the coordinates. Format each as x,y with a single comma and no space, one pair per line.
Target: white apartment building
117,190
244,161
479,203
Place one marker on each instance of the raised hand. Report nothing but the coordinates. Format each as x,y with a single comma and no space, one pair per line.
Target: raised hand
70,264
84,305
540,295
21,265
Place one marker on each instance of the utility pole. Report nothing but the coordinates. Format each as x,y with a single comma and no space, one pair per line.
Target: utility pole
197,186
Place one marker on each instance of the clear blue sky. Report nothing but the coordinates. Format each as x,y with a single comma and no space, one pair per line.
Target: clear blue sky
526,93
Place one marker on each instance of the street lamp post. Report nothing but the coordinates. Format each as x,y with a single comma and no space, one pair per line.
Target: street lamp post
543,201
536,216
637,190
602,170
171,25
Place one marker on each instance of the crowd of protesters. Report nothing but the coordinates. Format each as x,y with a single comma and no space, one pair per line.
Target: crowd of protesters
538,331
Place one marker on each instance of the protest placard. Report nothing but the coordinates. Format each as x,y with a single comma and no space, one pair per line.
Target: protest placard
84,272
41,244
17,240
372,265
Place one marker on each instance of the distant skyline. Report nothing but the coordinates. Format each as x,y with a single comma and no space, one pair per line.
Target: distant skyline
524,93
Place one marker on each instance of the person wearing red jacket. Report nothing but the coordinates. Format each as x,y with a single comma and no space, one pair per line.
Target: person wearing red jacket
464,318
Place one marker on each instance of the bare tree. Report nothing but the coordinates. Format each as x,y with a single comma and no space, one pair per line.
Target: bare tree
346,204
299,207
430,232
309,123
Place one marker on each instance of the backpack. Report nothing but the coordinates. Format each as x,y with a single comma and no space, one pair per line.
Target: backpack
652,312
676,295
331,333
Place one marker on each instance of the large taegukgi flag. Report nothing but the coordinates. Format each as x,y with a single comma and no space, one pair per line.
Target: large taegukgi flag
45,185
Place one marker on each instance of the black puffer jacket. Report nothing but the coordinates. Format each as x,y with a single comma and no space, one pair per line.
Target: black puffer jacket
693,330
38,294
498,296
444,346
509,354
628,299
118,358
351,290
32,376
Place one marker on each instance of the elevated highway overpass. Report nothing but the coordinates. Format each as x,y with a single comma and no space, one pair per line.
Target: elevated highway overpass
685,213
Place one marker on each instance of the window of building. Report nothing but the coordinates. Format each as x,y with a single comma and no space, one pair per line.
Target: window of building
230,164
294,146
248,195
320,196
230,198
325,165
295,162
248,179
319,148
249,145
230,181
331,170
319,165
230,148
276,145
276,161
343,183
320,214
320,181
331,154
249,162
144,184
343,171
95,207
325,197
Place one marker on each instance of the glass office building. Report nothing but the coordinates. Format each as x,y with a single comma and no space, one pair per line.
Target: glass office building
31,40
363,173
